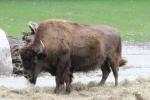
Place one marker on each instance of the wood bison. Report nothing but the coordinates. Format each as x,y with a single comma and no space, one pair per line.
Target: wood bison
62,47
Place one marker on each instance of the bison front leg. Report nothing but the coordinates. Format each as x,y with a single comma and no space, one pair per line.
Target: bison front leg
67,76
58,84
68,81
59,77
63,73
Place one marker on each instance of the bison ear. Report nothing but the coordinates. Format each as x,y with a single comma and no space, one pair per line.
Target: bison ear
33,26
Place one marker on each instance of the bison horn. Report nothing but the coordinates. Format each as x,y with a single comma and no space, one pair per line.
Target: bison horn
33,26
42,44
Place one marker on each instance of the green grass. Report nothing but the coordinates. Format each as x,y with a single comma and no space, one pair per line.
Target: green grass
131,17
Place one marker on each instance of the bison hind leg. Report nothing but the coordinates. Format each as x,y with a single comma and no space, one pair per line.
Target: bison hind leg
114,64
105,71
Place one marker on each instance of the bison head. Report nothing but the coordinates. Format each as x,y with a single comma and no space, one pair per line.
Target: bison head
32,62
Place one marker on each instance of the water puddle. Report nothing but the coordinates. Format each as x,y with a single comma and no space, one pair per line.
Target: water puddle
138,57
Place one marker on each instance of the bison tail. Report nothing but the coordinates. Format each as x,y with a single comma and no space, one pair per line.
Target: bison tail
122,62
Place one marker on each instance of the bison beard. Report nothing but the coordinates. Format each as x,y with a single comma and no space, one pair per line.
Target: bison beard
62,47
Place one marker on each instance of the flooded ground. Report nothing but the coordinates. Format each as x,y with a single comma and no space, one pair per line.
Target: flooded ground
138,67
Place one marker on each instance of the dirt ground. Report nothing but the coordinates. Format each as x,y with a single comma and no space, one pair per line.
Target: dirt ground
127,90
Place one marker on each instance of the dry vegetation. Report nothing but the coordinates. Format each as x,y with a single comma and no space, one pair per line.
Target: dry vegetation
127,90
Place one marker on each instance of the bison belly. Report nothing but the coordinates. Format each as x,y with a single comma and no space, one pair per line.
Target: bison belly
86,59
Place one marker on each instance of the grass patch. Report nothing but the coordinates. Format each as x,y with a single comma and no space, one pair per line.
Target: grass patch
131,17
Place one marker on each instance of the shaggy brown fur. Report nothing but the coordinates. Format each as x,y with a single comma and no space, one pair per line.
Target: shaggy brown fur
70,47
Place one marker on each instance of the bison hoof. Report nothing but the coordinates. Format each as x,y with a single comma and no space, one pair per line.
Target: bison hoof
32,81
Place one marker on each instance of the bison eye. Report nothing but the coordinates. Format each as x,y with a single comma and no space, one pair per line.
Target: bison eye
41,56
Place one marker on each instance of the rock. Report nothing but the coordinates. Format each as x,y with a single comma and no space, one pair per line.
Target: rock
6,67
15,45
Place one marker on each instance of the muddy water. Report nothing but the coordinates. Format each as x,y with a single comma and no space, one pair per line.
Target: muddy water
138,56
